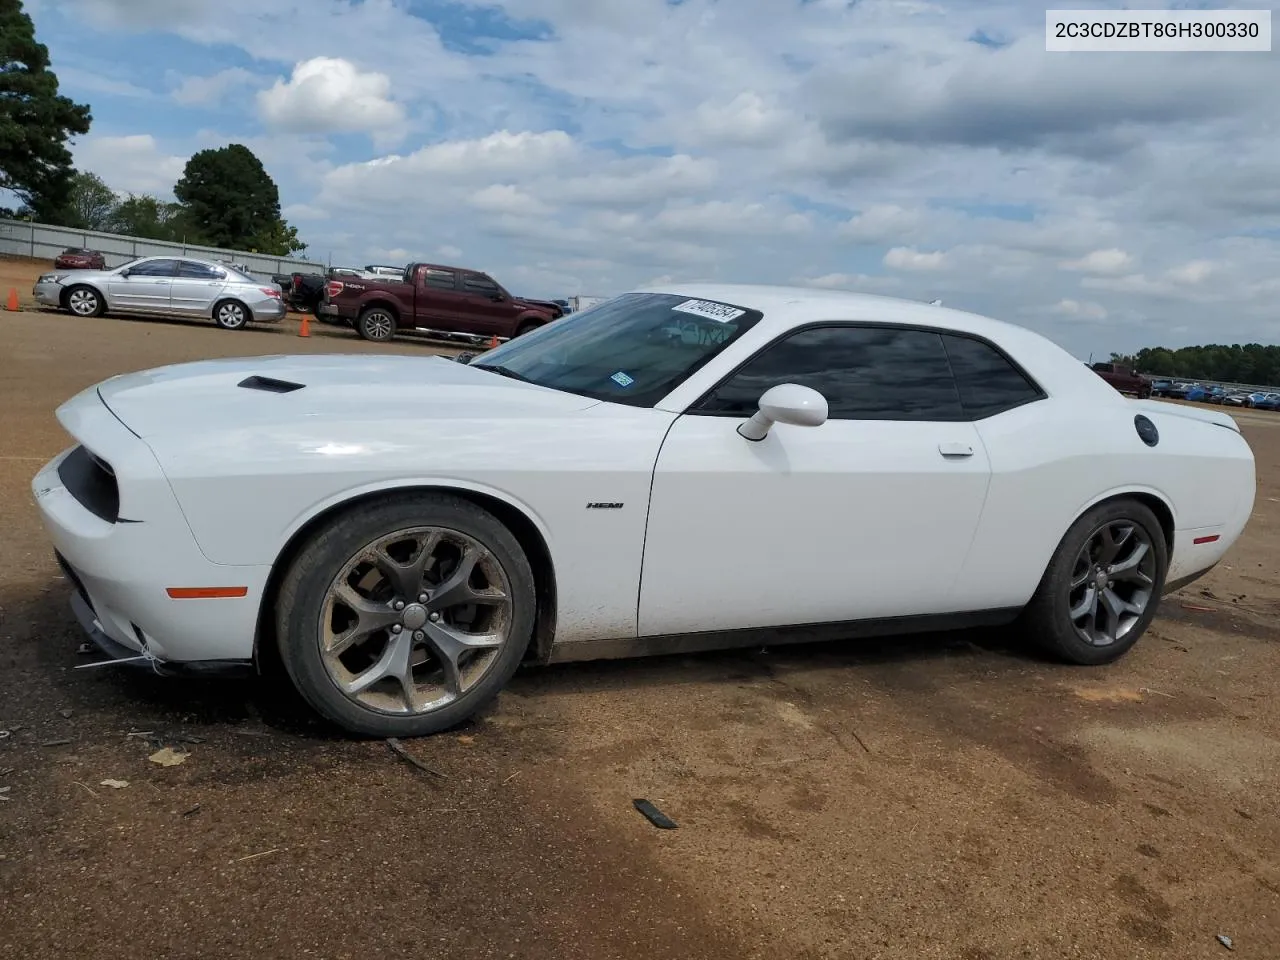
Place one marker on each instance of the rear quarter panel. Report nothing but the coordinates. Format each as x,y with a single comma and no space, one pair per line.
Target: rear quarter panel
1054,459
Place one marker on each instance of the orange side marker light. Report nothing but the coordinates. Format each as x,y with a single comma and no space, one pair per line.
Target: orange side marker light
206,593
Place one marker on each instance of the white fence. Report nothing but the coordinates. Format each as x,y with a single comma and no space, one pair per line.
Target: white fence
19,238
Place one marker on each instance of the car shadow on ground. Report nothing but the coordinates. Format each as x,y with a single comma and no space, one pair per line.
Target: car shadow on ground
45,639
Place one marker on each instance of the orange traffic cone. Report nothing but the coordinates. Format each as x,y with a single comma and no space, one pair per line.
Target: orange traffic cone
493,341
12,305
305,329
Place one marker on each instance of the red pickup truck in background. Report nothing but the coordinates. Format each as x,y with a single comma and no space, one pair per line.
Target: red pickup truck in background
1123,378
436,300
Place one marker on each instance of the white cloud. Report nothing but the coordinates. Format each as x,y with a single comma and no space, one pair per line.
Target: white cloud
330,95
1193,272
213,89
746,120
907,258
850,281
506,198
130,164
1082,310
1108,262
729,218
882,223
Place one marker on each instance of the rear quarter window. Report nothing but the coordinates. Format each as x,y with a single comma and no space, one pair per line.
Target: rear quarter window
988,382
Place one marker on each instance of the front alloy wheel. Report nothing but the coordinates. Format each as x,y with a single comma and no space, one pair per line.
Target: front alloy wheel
84,302
404,617
415,620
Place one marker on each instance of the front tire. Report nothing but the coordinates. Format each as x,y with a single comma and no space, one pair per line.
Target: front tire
1102,587
85,302
231,315
527,326
376,324
403,618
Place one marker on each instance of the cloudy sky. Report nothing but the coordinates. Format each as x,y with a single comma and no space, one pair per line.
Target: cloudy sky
915,148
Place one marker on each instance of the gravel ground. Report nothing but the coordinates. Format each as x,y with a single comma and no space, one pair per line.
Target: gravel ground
933,796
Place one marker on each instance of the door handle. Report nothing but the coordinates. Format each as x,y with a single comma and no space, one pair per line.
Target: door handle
955,449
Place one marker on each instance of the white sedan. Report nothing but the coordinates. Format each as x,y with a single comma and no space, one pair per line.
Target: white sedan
677,469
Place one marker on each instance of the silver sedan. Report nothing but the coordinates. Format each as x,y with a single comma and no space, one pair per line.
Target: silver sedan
165,286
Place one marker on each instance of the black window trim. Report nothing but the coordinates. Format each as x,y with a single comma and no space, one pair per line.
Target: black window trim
210,272
176,261
464,276
456,286
964,417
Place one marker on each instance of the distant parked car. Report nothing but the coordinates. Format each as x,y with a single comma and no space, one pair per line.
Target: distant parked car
1209,394
1266,401
79,258
1235,398
165,286
1124,379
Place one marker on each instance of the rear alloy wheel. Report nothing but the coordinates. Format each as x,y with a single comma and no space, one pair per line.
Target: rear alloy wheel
376,324
231,315
84,302
1102,588
404,618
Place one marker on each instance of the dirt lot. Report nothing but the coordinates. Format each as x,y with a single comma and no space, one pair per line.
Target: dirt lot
933,796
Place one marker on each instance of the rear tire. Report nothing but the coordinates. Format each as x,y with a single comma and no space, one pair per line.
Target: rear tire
429,609
231,315
376,324
1112,606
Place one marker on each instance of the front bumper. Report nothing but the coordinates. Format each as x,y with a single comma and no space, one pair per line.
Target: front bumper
122,566
49,294
82,609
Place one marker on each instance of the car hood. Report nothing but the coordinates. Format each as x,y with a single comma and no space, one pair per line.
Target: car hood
211,395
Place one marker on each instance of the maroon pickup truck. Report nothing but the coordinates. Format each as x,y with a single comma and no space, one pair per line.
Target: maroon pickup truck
1123,379
431,299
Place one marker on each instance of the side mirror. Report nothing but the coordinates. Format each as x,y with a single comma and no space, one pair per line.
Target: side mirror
786,403
125,273
496,297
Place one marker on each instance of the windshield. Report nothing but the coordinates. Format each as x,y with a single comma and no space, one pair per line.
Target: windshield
633,349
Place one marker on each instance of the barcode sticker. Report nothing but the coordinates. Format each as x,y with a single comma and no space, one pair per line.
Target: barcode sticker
712,311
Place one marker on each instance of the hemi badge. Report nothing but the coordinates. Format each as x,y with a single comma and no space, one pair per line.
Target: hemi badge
604,506
1207,539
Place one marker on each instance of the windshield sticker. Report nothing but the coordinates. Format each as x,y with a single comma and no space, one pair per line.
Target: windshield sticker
621,379
712,311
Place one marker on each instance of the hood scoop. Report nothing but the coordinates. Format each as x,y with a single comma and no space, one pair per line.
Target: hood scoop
269,384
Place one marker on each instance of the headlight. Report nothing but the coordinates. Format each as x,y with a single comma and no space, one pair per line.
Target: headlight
50,277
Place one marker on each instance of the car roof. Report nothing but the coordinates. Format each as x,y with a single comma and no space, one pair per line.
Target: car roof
785,307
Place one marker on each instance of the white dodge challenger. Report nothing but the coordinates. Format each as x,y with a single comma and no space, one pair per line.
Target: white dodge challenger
677,469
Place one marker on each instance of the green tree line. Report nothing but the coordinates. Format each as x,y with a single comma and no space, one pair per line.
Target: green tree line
225,197
1251,363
